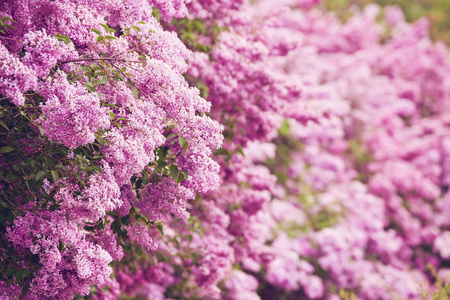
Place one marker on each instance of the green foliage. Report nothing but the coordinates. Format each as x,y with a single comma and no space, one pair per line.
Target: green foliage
22,176
28,158
347,295
361,159
322,217
197,34
440,290
63,38
286,144
6,25
435,10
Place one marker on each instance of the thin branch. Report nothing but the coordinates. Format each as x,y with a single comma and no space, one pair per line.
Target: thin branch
26,179
129,50
7,38
94,59
12,204
19,107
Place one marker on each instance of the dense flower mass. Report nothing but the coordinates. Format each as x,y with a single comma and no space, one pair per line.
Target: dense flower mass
213,149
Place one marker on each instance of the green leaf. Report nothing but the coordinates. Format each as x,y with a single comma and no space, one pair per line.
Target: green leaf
9,272
10,218
115,226
6,26
105,26
90,87
112,115
4,125
109,29
6,149
185,174
189,237
182,141
145,180
55,175
171,136
159,226
18,275
63,38
110,37
95,30
103,80
10,177
180,178
135,92
241,151
40,175
25,289
41,130
126,220
111,105
100,38
285,128
9,282
25,273
173,171
9,19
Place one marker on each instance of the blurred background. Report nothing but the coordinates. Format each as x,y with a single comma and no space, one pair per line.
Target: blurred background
437,12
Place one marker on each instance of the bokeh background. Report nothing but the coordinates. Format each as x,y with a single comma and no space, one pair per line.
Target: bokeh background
436,11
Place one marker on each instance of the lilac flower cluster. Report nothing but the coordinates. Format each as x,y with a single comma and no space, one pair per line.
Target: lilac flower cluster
358,203
116,98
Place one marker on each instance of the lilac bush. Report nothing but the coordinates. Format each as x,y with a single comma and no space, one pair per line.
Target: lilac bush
221,150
